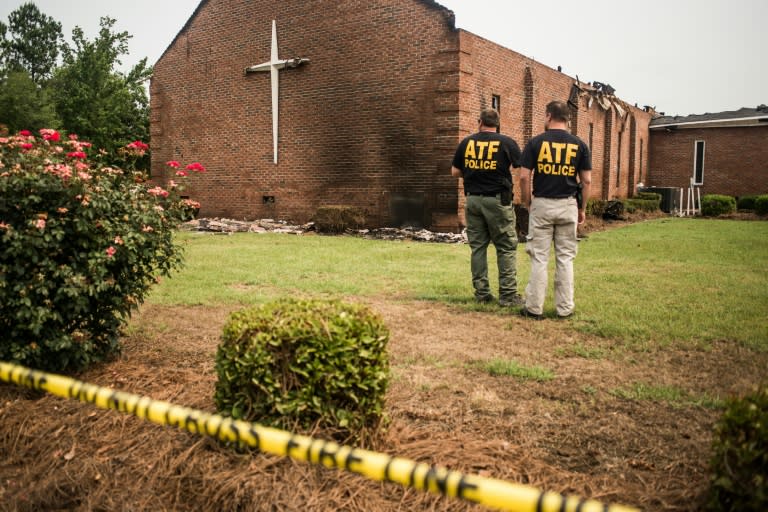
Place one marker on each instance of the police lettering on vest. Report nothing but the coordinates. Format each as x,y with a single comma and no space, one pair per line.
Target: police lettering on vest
480,155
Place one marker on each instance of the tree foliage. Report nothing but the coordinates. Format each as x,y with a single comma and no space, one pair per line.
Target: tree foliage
83,93
3,46
24,105
30,42
93,99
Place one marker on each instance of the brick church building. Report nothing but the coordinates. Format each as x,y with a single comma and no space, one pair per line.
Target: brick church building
293,105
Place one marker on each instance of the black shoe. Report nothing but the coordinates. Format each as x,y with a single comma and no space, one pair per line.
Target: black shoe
485,299
511,302
533,316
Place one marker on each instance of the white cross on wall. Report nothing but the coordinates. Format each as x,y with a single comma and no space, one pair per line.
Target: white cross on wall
273,66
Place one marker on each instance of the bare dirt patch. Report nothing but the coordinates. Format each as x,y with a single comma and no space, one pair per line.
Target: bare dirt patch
571,434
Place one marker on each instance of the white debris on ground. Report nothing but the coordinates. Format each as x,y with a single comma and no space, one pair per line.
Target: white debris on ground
229,226
409,233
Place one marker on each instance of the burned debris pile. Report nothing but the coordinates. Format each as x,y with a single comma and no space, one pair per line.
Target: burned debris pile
229,226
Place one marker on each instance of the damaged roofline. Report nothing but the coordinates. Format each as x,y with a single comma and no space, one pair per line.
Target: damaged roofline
683,124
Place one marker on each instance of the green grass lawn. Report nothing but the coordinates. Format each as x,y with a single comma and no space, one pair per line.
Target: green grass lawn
676,281
681,282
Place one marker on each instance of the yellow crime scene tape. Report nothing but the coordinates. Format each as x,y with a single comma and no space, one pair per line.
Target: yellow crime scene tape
376,466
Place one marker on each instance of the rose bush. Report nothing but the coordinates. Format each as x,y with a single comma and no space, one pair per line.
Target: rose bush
81,243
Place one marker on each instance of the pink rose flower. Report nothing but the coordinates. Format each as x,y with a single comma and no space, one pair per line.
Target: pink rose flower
158,191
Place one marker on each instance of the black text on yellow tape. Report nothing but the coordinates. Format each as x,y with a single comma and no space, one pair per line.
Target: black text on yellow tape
373,465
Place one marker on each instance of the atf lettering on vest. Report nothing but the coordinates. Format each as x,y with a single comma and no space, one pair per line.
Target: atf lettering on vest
479,155
560,154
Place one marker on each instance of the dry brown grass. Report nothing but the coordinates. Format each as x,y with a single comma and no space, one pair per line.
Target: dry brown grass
570,434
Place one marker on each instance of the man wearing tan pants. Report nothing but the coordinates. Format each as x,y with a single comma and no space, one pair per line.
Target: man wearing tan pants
555,169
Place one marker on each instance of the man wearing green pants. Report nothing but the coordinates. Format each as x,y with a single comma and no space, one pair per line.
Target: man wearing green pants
485,159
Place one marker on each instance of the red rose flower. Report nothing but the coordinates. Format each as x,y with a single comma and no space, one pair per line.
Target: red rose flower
195,166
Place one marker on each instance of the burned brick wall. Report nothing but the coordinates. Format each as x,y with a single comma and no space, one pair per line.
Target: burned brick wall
370,122
359,125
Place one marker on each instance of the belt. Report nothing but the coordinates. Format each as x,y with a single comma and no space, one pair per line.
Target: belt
484,194
553,197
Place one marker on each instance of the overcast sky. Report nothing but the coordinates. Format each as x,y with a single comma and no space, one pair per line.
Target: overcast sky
681,56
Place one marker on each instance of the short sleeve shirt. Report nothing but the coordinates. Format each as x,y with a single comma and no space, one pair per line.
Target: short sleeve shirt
484,159
556,157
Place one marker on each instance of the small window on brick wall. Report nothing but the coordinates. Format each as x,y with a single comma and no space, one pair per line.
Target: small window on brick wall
618,163
698,162
496,105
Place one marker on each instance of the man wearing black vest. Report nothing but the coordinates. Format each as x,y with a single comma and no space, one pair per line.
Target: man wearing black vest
562,171
485,160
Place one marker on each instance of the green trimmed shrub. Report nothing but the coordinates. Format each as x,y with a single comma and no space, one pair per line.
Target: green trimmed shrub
649,195
645,202
596,207
629,205
746,202
306,363
713,205
739,465
81,242
338,218
761,204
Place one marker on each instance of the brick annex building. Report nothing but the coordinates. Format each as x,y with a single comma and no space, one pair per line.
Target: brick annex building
371,120
722,153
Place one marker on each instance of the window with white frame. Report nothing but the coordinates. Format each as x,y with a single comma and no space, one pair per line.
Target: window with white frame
698,162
